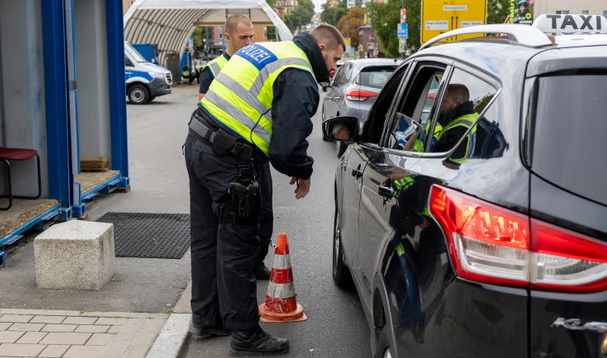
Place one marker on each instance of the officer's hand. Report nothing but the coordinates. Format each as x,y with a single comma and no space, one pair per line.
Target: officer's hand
303,187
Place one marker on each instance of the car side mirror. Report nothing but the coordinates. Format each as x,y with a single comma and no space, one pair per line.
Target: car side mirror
340,129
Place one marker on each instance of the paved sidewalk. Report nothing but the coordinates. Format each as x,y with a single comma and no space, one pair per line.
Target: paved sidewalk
40,333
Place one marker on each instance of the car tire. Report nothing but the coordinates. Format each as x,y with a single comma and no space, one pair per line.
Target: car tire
383,349
139,94
341,273
340,148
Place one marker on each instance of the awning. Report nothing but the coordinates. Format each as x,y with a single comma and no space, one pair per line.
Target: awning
170,23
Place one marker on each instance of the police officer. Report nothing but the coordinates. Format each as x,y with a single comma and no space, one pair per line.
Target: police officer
238,34
238,31
456,116
258,109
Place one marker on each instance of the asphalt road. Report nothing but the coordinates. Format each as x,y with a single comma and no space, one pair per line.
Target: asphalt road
336,326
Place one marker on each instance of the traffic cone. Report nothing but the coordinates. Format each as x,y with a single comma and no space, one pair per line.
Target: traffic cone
281,303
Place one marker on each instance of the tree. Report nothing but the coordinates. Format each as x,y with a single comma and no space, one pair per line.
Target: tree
497,11
338,14
200,35
327,14
353,19
385,18
300,16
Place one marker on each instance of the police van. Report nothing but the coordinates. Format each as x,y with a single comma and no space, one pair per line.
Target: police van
489,238
144,80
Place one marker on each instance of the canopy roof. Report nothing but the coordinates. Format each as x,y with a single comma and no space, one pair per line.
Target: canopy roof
170,23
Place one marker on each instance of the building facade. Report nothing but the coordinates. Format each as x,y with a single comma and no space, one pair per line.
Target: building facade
288,5
592,7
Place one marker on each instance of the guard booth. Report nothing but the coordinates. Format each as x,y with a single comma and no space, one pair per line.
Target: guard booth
62,100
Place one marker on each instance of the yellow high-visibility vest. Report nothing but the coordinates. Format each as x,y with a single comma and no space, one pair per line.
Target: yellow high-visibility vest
216,65
463,121
241,95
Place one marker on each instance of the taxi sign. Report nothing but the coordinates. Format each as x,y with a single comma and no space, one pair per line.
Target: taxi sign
561,24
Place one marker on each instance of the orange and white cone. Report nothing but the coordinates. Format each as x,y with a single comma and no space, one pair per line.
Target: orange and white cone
281,303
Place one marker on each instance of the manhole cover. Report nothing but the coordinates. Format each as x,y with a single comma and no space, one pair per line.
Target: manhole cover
147,235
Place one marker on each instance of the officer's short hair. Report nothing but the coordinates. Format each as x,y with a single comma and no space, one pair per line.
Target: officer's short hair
232,23
458,92
328,35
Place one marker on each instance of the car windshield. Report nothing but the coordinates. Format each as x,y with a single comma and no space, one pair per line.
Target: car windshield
569,147
375,77
132,53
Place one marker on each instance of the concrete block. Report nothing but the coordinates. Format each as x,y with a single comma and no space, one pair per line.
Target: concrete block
75,255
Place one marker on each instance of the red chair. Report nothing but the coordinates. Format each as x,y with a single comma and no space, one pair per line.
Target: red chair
8,154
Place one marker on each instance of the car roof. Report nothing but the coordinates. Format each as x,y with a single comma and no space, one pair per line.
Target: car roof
503,57
365,62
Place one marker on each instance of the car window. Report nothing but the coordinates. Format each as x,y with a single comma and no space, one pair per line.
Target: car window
375,76
348,74
416,106
339,75
464,98
374,125
568,133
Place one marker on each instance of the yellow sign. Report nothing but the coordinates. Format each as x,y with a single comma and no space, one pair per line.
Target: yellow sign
440,16
348,41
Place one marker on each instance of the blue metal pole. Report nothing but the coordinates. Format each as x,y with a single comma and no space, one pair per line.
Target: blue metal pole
118,121
61,179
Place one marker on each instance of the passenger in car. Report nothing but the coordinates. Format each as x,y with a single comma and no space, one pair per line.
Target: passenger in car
457,115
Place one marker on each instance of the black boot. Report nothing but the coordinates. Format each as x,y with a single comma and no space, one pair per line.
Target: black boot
204,332
262,272
257,343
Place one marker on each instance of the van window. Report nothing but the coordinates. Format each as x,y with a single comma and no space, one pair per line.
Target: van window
568,133
132,53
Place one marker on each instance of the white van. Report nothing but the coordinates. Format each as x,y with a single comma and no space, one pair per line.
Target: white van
144,80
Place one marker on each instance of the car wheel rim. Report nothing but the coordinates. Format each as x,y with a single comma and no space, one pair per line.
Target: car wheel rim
387,353
336,243
137,95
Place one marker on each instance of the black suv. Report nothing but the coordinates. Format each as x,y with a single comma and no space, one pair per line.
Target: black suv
489,240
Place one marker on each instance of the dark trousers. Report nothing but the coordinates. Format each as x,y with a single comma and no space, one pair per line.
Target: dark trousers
224,289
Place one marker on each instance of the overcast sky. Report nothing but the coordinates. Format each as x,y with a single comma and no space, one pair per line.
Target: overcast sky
318,4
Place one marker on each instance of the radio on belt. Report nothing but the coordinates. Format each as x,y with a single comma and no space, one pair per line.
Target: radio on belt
566,24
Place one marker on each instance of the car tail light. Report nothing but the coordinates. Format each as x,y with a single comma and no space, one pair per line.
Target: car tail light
360,96
494,245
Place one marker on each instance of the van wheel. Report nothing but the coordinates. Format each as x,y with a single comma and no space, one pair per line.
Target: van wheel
139,94
383,349
341,273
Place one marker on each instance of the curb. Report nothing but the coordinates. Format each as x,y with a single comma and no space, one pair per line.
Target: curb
174,339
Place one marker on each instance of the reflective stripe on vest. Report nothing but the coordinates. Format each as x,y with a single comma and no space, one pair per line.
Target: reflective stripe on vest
464,121
419,145
241,95
216,65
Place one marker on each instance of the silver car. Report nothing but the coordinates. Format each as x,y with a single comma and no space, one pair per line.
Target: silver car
354,89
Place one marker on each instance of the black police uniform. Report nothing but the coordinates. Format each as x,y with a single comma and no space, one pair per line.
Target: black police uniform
227,249
266,225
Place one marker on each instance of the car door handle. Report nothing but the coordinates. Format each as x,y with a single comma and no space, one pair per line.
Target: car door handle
385,191
357,173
